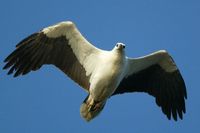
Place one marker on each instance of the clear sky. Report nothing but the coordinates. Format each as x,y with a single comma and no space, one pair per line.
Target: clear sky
47,101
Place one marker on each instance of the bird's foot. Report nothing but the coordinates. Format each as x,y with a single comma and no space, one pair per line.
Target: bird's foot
94,105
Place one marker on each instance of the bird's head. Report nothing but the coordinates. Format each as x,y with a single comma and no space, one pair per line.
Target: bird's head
119,46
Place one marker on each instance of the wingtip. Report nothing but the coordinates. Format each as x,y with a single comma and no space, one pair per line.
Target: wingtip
168,116
175,118
185,94
14,76
5,60
184,110
4,68
181,117
9,73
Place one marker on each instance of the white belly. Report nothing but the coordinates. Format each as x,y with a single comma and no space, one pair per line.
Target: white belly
105,82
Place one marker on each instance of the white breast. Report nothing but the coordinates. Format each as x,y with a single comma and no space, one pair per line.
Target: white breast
107,77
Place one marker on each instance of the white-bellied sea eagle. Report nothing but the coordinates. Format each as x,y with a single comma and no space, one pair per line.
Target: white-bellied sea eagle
101,73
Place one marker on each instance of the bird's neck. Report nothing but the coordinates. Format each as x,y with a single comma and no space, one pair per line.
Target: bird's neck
119,53
118,56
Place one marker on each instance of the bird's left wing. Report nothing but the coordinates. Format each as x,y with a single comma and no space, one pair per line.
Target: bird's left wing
157,75
61,45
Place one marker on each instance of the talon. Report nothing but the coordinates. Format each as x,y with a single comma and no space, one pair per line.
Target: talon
94,106
90,107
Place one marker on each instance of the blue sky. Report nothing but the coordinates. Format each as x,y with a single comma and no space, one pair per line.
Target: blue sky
48,101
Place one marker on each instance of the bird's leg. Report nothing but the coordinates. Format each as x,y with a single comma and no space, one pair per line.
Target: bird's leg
91,108
93,105
97,105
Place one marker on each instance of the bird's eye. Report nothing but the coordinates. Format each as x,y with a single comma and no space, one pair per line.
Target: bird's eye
117,45
123,46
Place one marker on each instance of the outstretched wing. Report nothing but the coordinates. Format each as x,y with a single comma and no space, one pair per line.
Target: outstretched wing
61,45
157,75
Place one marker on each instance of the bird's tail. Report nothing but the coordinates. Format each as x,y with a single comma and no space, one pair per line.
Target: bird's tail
90,109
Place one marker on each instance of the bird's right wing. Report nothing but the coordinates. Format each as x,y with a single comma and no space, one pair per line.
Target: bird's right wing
157,75
61,45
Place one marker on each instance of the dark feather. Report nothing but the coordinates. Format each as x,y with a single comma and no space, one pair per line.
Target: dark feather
38,49
168,89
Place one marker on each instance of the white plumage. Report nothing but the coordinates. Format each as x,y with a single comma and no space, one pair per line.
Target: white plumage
101,73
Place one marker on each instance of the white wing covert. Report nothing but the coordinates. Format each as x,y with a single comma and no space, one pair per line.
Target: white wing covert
61,45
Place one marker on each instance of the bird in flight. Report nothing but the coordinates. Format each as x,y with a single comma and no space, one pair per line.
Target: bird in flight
101,73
